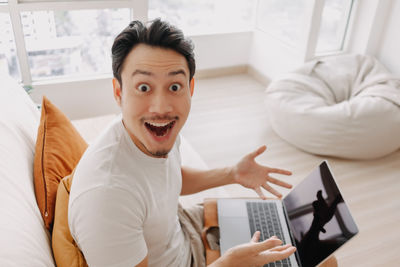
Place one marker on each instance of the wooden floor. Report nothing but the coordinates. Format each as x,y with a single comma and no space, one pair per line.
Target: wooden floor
229,119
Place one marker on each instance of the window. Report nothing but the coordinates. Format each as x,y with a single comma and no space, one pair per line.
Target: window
75,42
8,55
65,39
334,23
73,38
283,19
205,16
289,20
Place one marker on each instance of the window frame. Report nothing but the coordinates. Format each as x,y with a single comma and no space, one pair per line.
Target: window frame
307,44
346,26
138,8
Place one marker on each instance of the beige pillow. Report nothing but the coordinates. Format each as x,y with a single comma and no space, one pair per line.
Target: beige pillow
59,148
65,250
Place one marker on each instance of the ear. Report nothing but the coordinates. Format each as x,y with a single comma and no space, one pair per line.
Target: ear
191,86
117,91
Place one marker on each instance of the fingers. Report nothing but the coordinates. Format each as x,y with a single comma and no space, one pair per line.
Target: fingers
255,237
279,182
280,248
267,244
271,190
260,193
319,195
279,171
279,253
258,152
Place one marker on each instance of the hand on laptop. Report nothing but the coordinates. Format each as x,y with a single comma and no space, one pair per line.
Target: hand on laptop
250,174
255,253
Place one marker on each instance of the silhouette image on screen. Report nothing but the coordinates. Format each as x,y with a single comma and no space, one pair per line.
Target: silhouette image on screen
321,222
310,242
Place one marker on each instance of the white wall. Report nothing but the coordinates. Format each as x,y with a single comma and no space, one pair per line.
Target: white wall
375,31
222,50
388,51
362,26
94,96
79,99
271,57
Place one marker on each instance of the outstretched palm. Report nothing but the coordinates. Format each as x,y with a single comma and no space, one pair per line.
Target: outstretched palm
250,174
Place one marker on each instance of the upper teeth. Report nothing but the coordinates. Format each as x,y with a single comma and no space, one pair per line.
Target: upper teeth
158,124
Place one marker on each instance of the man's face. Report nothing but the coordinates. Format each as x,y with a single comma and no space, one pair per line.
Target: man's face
155,97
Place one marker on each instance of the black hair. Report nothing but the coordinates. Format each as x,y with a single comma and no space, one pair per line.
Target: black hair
159,34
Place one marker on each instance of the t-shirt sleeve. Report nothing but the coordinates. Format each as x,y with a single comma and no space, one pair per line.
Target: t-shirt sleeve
108,231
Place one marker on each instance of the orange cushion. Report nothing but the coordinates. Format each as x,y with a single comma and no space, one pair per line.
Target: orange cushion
59,148
65,250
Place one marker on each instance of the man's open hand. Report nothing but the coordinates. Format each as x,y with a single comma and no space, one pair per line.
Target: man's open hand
250,174
255,253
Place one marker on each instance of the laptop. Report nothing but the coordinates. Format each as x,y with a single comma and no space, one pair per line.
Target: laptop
313,217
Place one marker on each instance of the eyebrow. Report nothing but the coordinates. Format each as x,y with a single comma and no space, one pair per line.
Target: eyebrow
143,72
148,73
173,73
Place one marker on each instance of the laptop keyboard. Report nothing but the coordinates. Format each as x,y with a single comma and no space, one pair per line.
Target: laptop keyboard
266,212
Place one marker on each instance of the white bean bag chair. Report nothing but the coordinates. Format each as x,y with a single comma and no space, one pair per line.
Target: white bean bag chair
344,106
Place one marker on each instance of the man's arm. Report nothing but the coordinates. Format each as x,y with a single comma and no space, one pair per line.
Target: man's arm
194,180
107,231
247,172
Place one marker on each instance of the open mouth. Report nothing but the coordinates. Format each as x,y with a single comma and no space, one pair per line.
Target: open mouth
159,129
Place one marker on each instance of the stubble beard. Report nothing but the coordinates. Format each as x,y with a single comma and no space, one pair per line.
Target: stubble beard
160,154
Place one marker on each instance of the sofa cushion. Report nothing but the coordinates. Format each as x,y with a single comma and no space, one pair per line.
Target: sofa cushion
59,147
24,241
65,250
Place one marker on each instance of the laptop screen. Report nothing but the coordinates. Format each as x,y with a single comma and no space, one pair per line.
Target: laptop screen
319,219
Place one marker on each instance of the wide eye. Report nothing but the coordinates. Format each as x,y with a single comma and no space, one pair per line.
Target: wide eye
175,87
143,87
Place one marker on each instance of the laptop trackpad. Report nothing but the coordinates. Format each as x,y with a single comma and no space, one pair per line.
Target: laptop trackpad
233,231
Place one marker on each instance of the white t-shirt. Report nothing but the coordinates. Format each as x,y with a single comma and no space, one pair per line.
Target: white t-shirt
123,204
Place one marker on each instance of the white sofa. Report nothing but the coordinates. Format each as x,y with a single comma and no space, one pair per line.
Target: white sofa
24,240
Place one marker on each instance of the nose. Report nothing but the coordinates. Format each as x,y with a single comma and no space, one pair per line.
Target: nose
160,103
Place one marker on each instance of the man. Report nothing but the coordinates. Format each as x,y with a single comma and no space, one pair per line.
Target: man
124,198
